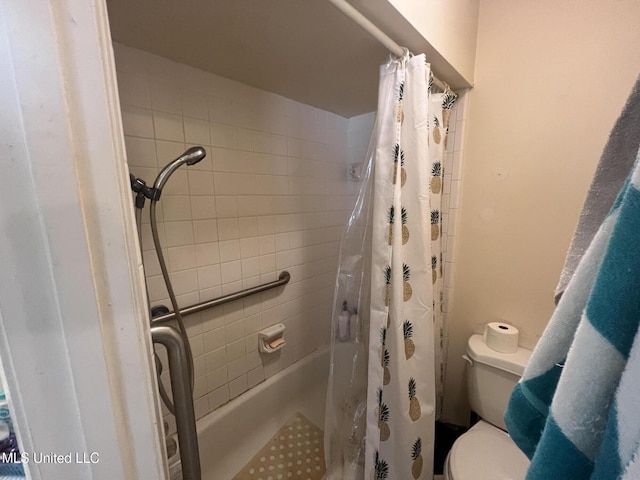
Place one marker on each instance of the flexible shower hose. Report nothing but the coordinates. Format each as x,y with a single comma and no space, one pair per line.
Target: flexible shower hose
167,281
158,364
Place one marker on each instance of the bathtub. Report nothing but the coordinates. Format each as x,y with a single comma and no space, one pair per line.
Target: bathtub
231,435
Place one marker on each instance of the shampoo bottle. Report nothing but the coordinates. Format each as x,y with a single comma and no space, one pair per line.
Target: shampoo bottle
354,326
343,323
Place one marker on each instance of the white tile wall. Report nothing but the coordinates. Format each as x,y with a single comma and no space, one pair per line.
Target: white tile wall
451,193
271,195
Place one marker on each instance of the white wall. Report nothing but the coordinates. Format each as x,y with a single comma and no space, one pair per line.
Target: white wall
271,195
550,80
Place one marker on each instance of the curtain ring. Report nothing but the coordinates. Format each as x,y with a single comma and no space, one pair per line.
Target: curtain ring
406,55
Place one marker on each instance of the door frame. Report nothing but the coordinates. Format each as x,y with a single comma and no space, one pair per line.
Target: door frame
75,346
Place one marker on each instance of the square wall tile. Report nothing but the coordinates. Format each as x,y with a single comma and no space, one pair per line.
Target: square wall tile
217,378
235,331
247,227
255,376
267,264
201,407
168,126
205,231
266,244
249,247
250,267
196,131
207,253
221,136
178,185
203,207
209,276
165,97
238,386
266,225
137,121
134,90
176,208
200,182
226,206
141,152
235,350
216,359
220,110
214,339
168,151
219,397
195,105
237,368
229,250
151,263
184,281
182,258
228,228
178,233
231,272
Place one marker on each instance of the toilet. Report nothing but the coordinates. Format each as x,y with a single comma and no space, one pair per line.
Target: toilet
486,451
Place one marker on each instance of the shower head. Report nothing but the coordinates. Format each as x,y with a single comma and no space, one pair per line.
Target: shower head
190,157
193,155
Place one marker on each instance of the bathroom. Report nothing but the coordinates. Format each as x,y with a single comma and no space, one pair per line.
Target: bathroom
540,86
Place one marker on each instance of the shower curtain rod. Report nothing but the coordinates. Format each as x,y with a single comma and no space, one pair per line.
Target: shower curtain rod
346,8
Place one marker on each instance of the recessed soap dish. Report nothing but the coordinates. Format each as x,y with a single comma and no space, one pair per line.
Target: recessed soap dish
271,339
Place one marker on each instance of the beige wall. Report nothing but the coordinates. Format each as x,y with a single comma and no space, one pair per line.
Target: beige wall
446,31
550,80
450,26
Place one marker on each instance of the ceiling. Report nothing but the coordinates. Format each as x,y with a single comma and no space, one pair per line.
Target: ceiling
305,50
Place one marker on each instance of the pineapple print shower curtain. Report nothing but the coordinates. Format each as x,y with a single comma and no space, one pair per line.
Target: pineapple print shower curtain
401,387
381,400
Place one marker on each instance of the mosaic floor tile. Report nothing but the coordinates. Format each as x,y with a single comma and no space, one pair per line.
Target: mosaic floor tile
295,452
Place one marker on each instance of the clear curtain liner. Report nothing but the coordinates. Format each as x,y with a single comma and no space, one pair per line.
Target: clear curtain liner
345,416
346,411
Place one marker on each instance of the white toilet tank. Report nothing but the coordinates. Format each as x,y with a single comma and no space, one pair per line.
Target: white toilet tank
491,378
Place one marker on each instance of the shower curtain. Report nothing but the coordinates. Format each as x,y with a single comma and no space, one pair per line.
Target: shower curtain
381,400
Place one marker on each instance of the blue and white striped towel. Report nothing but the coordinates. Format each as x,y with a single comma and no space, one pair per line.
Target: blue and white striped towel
11,471
576,410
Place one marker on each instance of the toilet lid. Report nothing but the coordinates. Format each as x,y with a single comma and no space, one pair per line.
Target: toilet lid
487,454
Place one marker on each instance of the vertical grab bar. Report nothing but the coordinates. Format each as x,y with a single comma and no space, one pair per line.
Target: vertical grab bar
182,398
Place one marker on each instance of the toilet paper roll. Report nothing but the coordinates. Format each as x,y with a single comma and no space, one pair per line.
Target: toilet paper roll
501,337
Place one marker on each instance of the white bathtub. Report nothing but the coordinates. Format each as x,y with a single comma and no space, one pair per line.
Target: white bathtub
231,435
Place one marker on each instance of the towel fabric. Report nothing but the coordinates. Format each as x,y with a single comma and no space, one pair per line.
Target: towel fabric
615,163
11,471
575,410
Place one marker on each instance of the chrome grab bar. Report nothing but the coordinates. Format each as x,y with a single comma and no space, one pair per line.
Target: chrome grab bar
283,279
182,398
